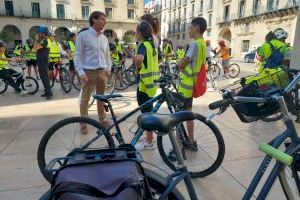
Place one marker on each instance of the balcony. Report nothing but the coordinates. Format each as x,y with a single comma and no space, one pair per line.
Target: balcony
199,10
134,4
28,14
64,1
209,7
90,2
110,2
178,17
157,8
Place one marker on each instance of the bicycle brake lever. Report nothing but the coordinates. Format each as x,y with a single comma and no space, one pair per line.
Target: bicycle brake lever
211,116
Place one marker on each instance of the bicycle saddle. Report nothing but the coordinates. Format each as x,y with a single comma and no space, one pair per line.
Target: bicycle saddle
106,97
164,123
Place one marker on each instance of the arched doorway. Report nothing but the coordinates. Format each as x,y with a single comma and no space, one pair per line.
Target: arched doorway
33,31
129,37
225,34
11,35
62,34
110,34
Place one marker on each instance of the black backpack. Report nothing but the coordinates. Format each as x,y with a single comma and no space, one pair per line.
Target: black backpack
276,59
110,174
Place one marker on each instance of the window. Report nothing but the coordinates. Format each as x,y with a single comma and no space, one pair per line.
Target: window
242,9
178,26
35,7
130,2
245,45
85,10
210,6
201,6
179,14
108,13
9,8
183,36
256,6
184,13
226,13
273,5
170,4
178,37
193,8
130,14
60,9
107,1
209,20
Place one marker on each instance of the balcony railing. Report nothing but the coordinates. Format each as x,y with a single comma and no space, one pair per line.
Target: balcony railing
91,2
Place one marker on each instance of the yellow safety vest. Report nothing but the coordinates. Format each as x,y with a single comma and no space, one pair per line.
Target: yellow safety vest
17,51
115,58
72,49
180,54
166,53
54,54
28,53
3,64
119,47
188,76
149,74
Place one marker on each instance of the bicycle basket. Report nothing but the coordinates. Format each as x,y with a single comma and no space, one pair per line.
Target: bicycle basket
250,112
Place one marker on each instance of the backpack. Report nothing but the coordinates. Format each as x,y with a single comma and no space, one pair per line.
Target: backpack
276,59
107,174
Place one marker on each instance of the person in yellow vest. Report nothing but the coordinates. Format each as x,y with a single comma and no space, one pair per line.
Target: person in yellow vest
18,50
282,35
30,56
180,53
71,50
146,62
167,50
189,67
117,59
6,73
54,54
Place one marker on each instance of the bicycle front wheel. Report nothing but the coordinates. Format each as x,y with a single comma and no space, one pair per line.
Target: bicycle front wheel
202,158
234,70
215,71
76,81
288,178
3,86
65,80
121,81
30,84
75,133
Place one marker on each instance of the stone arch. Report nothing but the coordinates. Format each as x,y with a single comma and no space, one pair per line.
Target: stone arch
226,35
33,31
62,33
129,32
110,34
11,35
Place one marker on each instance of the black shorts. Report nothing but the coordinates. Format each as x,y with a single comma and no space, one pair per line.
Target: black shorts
188,103
51,65
31,62
142,97
71,67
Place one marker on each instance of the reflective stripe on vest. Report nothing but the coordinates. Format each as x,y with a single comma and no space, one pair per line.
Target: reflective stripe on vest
72,49
28,53
188,76
3,64
149,74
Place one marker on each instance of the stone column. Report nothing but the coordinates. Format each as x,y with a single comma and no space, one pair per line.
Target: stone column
295,61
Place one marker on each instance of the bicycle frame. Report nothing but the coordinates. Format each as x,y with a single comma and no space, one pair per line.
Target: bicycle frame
294,147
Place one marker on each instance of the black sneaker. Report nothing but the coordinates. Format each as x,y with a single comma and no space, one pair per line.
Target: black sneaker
192,146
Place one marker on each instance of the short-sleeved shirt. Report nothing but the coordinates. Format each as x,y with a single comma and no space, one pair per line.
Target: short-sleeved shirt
192,53
142,51
44,44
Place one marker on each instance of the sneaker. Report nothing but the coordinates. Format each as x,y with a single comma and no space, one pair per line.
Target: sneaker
23,92
192,146
144,145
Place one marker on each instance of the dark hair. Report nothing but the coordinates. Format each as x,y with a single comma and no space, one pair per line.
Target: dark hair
200,22
154,21
270,36
95,15
84,29
146,31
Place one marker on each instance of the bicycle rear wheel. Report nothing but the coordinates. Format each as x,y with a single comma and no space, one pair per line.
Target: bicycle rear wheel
76,81
234,70
287,178
208,155
215,71
66,136
65,80
120,83
3,86
30,84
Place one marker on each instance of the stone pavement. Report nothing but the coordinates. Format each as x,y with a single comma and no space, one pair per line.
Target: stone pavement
24,120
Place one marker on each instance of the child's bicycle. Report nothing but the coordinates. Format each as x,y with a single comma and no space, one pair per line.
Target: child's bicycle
285,148
29,84
61,74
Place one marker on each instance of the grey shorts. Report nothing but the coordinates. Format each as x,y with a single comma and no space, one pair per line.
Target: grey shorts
225,64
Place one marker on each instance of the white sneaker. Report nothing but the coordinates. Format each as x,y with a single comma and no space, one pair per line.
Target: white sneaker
144,145
23,93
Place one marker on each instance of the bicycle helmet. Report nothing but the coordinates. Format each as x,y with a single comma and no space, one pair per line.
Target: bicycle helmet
43,29
112,46
29,41
281,33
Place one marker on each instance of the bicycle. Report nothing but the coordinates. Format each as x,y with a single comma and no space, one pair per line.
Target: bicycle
287,161
174,102
61,74
161,187
234,68
29,84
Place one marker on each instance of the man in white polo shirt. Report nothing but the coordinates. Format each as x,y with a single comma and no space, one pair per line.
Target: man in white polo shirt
93,64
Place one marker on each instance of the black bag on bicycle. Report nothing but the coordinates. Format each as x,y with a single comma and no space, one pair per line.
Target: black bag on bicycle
113,174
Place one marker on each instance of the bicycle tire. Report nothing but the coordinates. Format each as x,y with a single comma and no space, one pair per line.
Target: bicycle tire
237,70
5,86
124,85
215,70
220,154
36,83
53,129
75,77
288,184
65,80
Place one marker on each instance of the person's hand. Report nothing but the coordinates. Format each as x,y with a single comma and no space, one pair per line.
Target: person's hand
83,79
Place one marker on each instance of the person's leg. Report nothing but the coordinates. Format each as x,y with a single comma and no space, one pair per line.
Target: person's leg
28,64
43,71
36,72
71,68
5,74
101,82
86,92
226,66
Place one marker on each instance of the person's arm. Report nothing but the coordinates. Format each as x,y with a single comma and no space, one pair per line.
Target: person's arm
187,59
139,58
78,54
62,52
108,62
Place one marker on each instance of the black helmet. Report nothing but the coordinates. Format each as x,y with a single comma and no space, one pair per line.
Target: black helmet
112,46
117,40
29,41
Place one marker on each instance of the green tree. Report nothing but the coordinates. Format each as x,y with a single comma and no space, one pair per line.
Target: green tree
5,36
